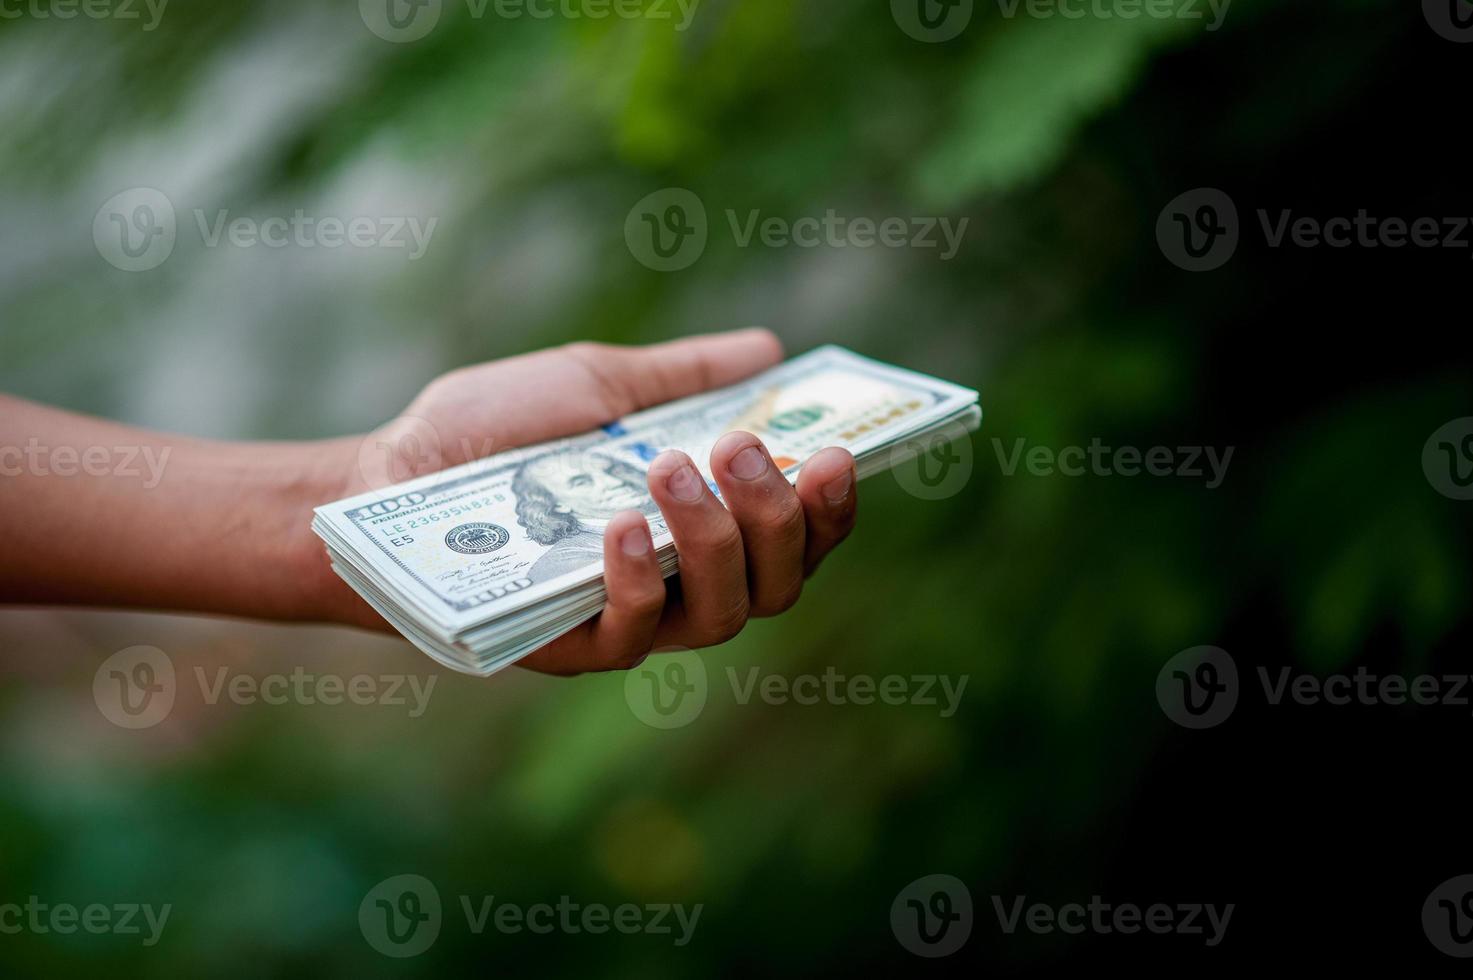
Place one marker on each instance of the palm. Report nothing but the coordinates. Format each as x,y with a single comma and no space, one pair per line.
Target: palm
476,411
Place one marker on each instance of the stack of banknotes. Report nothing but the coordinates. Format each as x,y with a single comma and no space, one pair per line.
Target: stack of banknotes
481,564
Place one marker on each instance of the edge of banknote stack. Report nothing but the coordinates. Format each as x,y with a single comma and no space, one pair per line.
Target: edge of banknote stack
462,563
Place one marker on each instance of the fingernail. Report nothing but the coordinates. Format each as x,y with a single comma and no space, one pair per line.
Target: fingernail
747,464
838,488
635,542
685,484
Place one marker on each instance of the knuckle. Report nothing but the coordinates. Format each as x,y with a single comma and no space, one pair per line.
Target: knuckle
782,515
779,600
725,623
627,658
723,540
583,349
646,603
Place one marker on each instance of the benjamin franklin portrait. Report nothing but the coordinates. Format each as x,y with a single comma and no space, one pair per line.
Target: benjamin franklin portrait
567,499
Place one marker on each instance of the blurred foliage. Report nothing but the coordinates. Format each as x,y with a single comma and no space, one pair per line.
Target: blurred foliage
529,140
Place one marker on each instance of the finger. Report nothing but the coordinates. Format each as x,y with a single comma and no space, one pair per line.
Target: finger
713,573
767,511
624,633
826,486
638,377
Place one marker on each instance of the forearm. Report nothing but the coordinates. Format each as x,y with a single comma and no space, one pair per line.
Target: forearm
103,514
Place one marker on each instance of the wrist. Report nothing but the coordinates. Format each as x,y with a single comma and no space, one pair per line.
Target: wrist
300,477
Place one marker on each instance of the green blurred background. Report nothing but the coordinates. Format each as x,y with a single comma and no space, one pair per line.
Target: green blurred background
1059,598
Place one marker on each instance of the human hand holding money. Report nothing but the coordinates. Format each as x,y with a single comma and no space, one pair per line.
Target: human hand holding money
733,479
531,509
747,558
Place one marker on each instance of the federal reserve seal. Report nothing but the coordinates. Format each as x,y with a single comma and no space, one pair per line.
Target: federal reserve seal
477,538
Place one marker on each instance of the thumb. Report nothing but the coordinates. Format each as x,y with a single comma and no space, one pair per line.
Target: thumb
646,376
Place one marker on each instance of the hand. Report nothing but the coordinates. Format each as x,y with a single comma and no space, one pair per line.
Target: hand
223,527
748,558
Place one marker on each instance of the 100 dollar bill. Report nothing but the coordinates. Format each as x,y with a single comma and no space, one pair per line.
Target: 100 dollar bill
470,544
